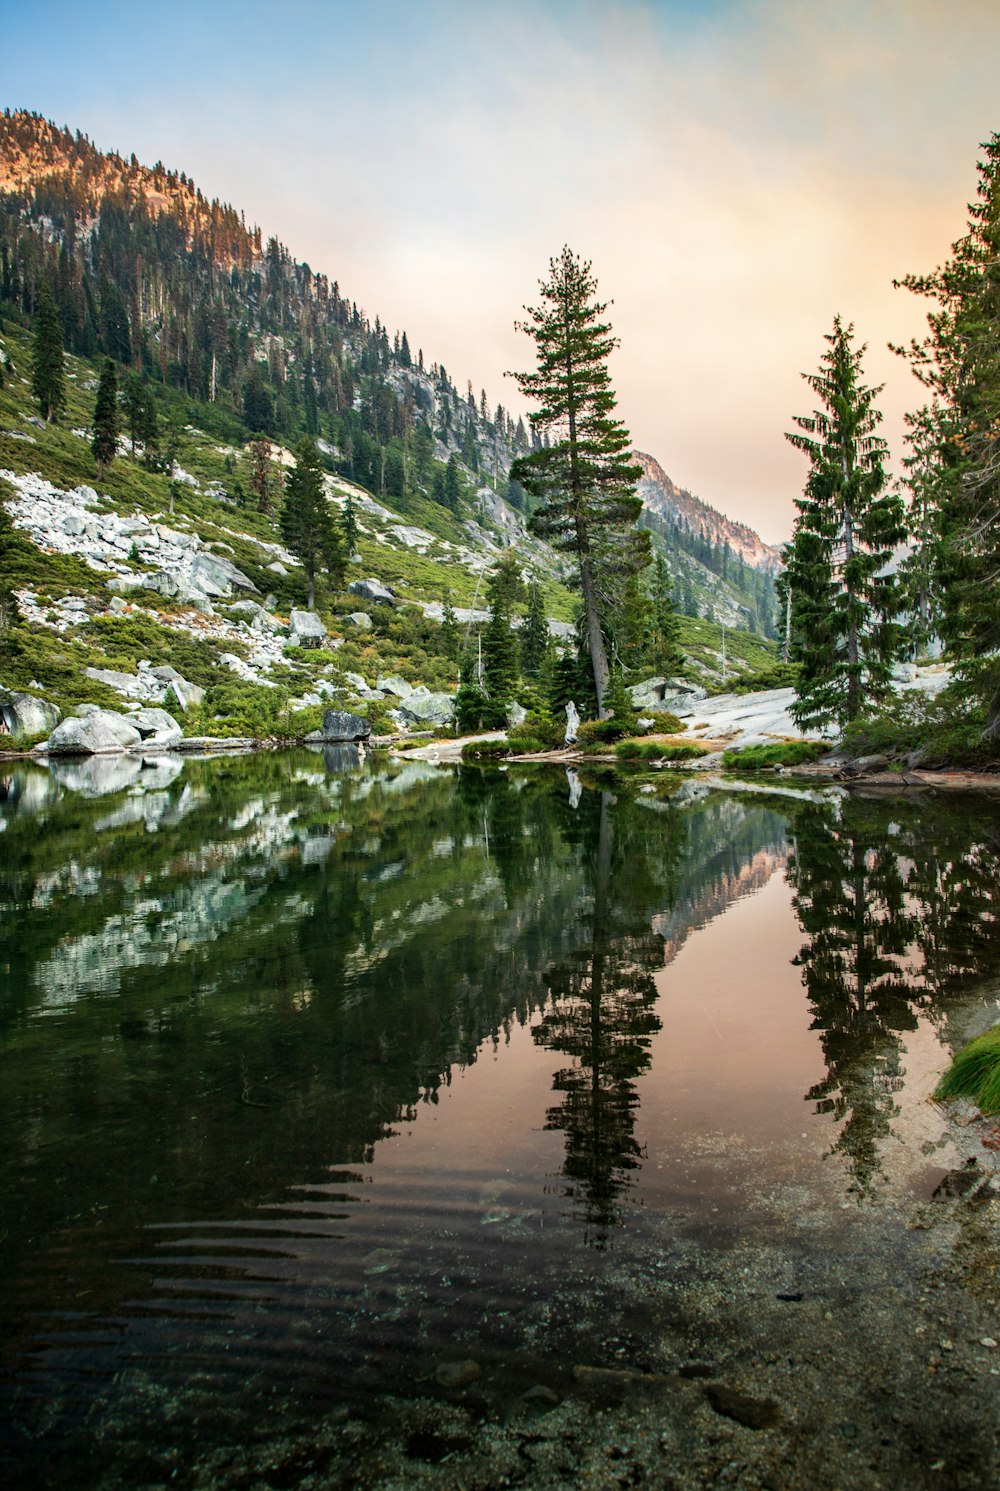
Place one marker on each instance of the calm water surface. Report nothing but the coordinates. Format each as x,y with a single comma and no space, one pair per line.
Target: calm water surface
318,1073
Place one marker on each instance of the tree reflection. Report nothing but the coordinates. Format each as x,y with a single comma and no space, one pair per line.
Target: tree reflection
602,1017
897,917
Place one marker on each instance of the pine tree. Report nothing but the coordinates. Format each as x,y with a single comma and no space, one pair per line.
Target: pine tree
104,443
47,376
307,522
450,640
139,409
666,624
844,602
9,614
349,525
500,644
581,471
260,479
959,362
534,633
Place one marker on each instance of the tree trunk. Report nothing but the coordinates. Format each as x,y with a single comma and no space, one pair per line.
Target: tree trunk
311,603
853,672
595,637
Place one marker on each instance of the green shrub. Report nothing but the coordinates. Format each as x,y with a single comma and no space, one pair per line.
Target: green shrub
541,728
597,733
756,680
782,753
662,722
946,731
975,1073
659,750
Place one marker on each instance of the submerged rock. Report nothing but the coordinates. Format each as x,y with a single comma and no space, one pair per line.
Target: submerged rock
457,1374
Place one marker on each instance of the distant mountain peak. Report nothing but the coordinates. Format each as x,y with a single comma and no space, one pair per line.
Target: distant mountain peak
663,497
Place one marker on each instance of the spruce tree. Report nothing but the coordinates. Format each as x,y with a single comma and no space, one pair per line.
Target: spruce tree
500,644
104,443
47,375
959,362
450,640
843,601
667,653
307,522
534,633
581,471
9,614
349,525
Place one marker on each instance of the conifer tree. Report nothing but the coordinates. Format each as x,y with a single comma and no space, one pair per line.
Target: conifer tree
844,603
9,614
581,470
307,522
534,633
666,624
450,640
104,443
349,525
500,645
959,362
47,374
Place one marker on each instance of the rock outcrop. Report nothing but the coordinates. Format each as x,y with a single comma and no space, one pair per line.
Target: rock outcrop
24,715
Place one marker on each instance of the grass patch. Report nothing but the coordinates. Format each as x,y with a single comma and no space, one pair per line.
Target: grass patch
782,753
659,750
975,1073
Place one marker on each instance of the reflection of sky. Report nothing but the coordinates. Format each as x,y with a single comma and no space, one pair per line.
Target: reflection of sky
737,173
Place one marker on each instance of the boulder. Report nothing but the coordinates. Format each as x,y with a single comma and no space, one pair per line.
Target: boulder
132,685
186,695
372,590
339,725
23,714
256,616
360,619
211,570
396,686
98,730
156,726
306,629
516,714
572,723
427,709
165,673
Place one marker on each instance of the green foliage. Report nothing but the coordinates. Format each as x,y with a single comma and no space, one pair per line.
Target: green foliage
535,641
9,614
954,471
307,522
844,603
781,753
975,1073
124,640
659,750
777,676
104,443
47,373
601,732
583,478
500,644
949,731
663,723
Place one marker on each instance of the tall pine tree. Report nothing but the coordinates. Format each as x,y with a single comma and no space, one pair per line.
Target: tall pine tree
104,443
959,362
843,600
307,522
47,376
581,471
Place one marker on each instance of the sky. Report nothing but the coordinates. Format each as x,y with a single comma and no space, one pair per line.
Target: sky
737,172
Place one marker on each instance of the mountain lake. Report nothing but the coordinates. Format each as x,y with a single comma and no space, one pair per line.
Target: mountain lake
378,1124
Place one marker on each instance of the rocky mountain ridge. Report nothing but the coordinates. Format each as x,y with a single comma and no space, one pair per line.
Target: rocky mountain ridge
662,497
